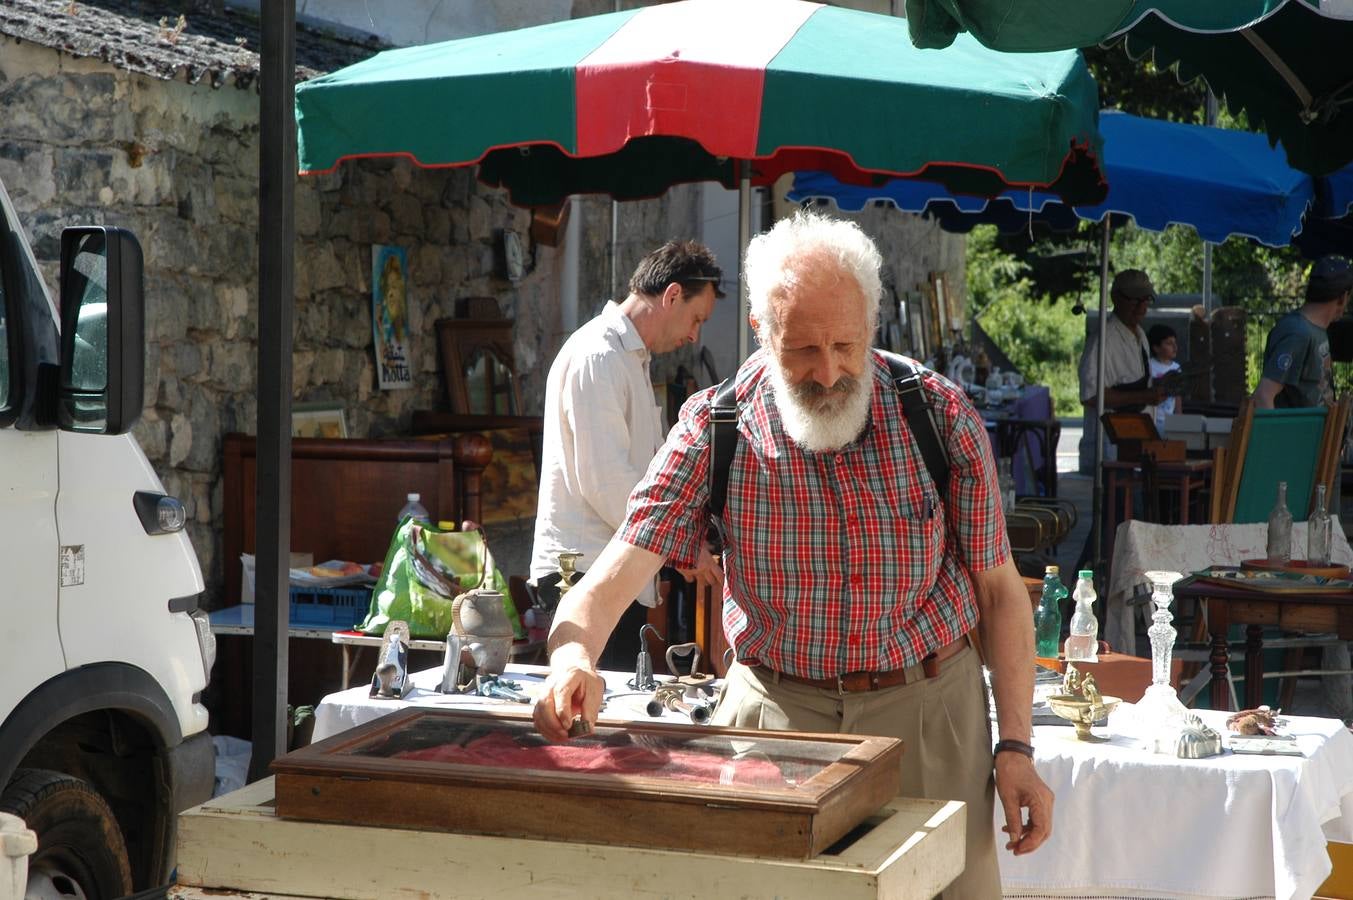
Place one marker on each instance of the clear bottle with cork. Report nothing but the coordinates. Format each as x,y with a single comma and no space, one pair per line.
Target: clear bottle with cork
1318,531
1280,530
1082,644
414,509
1005,478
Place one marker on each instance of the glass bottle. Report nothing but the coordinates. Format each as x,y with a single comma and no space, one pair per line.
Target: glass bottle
1280,530
1005,478
1318,532
1082,645
1048,616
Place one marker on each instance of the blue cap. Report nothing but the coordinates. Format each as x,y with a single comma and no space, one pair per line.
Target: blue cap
1331,276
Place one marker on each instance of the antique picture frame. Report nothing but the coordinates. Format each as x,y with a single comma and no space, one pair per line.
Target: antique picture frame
319,419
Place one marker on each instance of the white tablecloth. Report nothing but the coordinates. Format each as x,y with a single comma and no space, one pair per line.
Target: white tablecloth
346,709
1140,547
1130,823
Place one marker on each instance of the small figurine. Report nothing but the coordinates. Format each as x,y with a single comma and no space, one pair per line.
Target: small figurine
1090,690
390,680
1071,681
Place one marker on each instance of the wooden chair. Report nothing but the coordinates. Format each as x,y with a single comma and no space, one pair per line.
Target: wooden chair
1300,446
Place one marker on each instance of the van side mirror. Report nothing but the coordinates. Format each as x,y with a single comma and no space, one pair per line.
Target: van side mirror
101,389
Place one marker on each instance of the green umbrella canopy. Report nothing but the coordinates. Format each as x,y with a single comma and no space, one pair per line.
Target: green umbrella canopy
630,103
1286,62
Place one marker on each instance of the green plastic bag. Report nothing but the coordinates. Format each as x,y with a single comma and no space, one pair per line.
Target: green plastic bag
425,569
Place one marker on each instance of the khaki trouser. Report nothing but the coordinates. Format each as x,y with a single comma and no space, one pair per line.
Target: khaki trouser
943,722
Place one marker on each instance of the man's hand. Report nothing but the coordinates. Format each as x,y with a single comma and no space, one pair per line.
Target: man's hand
573,689
1019,788
708,573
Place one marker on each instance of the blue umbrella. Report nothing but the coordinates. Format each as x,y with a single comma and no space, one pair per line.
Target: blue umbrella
1220,181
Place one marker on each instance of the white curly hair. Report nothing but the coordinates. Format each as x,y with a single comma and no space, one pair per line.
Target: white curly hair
775,258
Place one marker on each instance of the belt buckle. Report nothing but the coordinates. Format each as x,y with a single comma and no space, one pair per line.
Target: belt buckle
869,682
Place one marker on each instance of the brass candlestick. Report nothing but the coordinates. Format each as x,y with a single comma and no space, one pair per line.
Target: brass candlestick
567,570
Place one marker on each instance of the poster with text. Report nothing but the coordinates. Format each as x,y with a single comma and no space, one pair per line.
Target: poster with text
390,316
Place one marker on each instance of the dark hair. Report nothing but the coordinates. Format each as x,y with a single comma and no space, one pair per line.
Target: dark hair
1157,333
688,263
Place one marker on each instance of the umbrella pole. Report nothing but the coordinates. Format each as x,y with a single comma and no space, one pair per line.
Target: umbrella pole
1210,118
744,237
1098,510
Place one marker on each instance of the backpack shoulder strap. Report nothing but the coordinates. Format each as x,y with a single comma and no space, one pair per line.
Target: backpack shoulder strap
723,441
723,430
920,418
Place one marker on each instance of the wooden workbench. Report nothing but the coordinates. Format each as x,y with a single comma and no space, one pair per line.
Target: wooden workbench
912,849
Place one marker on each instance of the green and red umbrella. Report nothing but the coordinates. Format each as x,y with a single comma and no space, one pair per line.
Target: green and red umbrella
633,102
1287,63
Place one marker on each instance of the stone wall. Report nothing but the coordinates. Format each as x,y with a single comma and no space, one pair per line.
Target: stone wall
86,143
177,164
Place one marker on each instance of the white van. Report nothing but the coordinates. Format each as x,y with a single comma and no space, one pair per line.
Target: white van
103,651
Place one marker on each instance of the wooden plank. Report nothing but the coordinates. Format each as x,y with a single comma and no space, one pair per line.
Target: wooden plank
1308,618
1339,886
236,842
1240,441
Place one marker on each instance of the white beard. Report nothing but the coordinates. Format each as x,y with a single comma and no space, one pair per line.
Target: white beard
818,418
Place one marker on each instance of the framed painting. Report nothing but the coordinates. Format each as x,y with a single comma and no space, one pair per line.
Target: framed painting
730,791
318,420
510,482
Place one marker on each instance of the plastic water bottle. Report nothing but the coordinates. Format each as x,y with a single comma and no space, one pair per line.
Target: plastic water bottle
1048,616
1280,530
1082,645
414,509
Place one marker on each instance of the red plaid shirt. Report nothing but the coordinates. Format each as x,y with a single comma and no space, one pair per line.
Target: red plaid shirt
840,561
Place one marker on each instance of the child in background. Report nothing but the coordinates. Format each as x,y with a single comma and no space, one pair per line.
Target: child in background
1164,348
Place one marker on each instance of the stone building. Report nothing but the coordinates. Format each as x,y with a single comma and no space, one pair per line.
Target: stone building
118,114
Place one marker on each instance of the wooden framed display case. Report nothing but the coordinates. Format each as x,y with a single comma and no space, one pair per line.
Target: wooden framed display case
773,794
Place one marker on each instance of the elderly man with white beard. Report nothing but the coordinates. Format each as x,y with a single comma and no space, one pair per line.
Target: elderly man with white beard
853,584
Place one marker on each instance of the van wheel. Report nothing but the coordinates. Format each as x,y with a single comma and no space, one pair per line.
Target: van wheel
81,852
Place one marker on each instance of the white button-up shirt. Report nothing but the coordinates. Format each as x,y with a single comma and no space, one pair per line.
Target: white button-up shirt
602,428
1125,358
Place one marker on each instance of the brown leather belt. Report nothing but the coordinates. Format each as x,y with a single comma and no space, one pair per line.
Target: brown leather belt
862,682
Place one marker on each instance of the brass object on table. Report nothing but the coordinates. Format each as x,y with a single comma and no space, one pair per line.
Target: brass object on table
1081,704
568,570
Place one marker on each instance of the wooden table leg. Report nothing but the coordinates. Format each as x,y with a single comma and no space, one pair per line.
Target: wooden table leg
1254,666
1218,623
1185,485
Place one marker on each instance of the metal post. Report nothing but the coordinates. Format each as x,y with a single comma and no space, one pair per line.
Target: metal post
744,237
276,279
615,252
1210,118
1098,507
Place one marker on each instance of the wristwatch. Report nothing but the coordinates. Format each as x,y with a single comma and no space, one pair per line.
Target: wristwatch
1014,747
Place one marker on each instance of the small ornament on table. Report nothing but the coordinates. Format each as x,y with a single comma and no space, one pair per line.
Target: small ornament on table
1260,720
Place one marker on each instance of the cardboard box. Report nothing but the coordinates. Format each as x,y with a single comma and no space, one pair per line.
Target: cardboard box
1205,433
